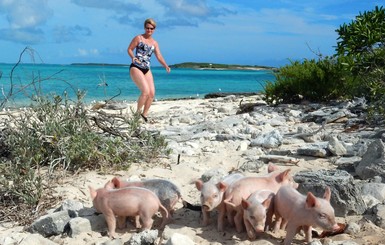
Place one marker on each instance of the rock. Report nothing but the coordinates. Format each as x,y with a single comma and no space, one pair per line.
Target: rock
314,150
271,139
252,166
51,224
146,237
373,162
376,190
379,214
352,228
336,147
215,174
78,225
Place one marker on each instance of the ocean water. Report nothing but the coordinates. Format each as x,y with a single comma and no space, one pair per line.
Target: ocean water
102,82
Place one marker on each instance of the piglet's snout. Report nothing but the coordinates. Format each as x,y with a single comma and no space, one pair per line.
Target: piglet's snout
336,227
206,207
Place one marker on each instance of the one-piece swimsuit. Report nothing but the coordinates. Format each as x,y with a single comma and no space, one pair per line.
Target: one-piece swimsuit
143,56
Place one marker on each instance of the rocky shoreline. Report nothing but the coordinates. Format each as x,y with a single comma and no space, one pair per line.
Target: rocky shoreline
323,145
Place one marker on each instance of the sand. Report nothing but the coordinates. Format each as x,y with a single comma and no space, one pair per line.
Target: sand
206,155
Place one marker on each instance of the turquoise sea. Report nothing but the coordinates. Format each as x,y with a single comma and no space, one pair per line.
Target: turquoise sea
102,82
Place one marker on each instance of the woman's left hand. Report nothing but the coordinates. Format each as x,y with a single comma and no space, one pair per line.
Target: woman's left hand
168,69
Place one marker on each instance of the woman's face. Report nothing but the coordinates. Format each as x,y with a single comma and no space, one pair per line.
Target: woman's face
149,29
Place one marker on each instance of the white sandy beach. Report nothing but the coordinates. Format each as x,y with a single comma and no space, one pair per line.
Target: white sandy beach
196,158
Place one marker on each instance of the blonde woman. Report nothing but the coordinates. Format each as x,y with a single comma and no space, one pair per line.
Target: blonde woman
145,45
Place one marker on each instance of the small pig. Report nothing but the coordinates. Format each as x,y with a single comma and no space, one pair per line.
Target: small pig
167,192
300,211
131,201
258,212
212,196
243,188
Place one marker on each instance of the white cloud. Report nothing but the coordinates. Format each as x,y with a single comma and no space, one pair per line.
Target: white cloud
88,52
26,13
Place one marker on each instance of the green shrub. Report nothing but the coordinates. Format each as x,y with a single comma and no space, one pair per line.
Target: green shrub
312,80
56,134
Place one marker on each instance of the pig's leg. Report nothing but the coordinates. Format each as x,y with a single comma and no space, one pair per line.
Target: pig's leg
278,221
249,229
221,216
121,222
165,217
206,217
284,224
308,235
238,218
269,219
111,223
137,222
147,222
290,233
230,216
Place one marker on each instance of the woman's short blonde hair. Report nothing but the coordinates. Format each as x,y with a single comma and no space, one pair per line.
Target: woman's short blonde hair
150,21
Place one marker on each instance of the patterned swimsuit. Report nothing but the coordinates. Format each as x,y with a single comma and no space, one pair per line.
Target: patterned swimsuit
143,55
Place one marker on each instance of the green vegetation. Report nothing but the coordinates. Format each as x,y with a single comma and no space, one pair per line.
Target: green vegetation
56,136
356,70
194,65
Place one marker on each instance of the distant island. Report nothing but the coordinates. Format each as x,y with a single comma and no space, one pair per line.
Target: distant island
214,66
194,65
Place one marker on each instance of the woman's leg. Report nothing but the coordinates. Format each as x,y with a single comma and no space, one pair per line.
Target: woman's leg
151,92
141,82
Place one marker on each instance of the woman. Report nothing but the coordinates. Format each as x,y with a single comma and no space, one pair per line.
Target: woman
140,71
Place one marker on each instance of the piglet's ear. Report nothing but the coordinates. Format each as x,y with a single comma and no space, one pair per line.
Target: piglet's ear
222,186
327,194
311,200
93,192
267,202
245,204
284,175
271,168
116,182
199,184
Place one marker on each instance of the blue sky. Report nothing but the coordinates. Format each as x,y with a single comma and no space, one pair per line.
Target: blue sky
248,32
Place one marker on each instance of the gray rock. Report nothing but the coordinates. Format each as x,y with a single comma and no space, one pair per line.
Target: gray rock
215,174
379,213
336,147
313,151
376,190
373,161
346,198
78,225
117,241
271,139
352,228
146,237
50,224
252,166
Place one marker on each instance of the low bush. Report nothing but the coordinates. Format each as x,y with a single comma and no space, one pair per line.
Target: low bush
311,80
55,136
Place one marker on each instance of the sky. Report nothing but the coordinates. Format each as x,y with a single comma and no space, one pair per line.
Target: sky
245,32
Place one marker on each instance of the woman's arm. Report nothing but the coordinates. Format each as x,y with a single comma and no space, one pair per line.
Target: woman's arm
131,47
160,58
